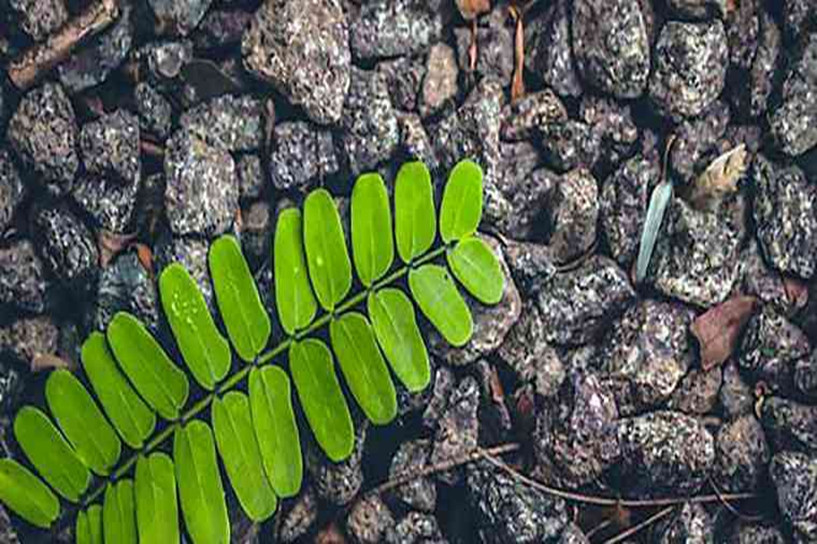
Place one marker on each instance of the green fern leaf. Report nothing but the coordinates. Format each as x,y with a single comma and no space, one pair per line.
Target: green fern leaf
27,495
157,514
441,303
293,296
119,513
477,269
89,526
329,266
461,209
415,221
372,245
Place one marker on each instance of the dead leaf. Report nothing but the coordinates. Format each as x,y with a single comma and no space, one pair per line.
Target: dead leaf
43,361
719,179
471,9
796,292
718,329
518,85
111,244
145,256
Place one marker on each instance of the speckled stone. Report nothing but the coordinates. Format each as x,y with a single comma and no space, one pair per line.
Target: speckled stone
416,528
697,392
8,533
495,36
404,77
798,17
457,428
126,286
735,395
794,476
179,16
755,533
337,483
153,109
440,82
764,65
741,455
392,28
415,143
251,178
521,119
12,190
569,145
612,121
27,338
794,123
66,247
40,18
301,517
573,211
301,154
697,9
236,123
549,53
192,254
692,523
301,47
805,375
420,493
758,279
22,280
790,425
369,520
695,146
221,27
532,265
109,203
110,147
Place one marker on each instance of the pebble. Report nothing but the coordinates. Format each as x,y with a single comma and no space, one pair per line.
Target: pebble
523,118
416,528
441,386
40,18
532,265
221,28
202,189
110,147
613,124
301,47
573,211
8,533
235,123
27,338
67,247
153,109
570,145
393,28
790,425
689,67
696,143
12,190
735,395
420,493
760,280
301,154
794,475
251,179
697,9
549,52
404,77
764,65
697,392
741,455
573,535
179,17
439,86
692,523
457,428
798,17
257,231
43,133
301,517
337,483
805,375
794,122
192,254
495,39
22,279
369,520
415,143
753,533
126,286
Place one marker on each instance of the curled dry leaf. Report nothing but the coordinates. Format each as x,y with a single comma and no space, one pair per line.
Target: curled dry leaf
471,9
111,244
718,330
719,179
796,292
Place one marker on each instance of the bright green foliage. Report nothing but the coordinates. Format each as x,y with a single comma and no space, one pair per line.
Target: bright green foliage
363,367
441,303
205,351
157,379
329,266
661,197
395,328
477,268
89,526
50,454
461,209
200,492
157,515
232,425
92,437
293,296
275,429
310,363
27,495
372,245
239,303
415,221
129,414
119,513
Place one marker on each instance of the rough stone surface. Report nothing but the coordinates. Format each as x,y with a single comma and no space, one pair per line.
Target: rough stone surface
697,9
415,143
790,425
691,524
302,153
126,286
795,477
697,139
532,265
759,279
192,254
109,203
613,123
764,65
22,280
391,28
421,493
569,145
251,179
574,212
221,28
236,123
40,18
300,518
153,109
697,392
793,123
404,77
752,533
440,83
457,428
521,119
550,51
805,375
12,190
66,246
416,528
257,227
110,147
302,48
8,533
495,36
690,67
741,455
337,483
369,520
26,339
179,16
735,394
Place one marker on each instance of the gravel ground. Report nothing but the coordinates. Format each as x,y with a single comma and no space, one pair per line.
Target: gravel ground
186,119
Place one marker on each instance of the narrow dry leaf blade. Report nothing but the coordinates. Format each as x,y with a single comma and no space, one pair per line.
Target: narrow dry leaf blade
659,201
718,330
719,179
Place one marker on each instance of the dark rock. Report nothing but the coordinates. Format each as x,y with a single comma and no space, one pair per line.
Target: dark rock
91,64
22,281
251,179
742,29
302,49
696,143
690,67
770,346
154,110
532,265
572,534
574,212
697,393
735,394
404,77
40,18
795,477
758,279
202,190
522,119
751,533
443,385
416,528
697,9
393,28
764,65
110,147
164,61
369,520
507,512
613,122
192,254
256,231
415,142
222,28
299,520
12,190
179,16
624,200
302,153
793,123
67,247
420,493
235,123
790,425
576,437
691,524
741,455
577,305
799,17
126,286
549,51
696,255
26,339
370,126
495,57
647,353
805,375
43,132
569,145
440,82
611,45
338,483
458,427
12,383
8,533
784,207
665,452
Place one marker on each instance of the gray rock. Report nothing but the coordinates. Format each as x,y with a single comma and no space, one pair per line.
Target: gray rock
109,203
793,123
805,375
735,395
22,281
613,123
40,18
690,67
415,142
392,28
440,82
370,132
532,265
665,452
576,305
416,528
66,247
741,455
110,147
301,154
192,254
126,286
795,477
179,16
573,535
369,520
25,339
404,77
758,279
256,231
697,139
549,51
570,145
790,425
495,36
752,533
338,483
251,179
532,112
697,9
611,45
798,16
202,189
8,533
221,28
235,123
507,512
43,133
302,49
692,524
154,110
697,392
764,65
742,29
421,493
443,384
164,61
298,521
458,428
574,212
770,346
12,190
784,212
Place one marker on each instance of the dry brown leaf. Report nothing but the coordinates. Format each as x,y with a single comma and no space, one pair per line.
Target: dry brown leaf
471,9
145,256
796,292
718,329
43,361
518,85
110,244
719,179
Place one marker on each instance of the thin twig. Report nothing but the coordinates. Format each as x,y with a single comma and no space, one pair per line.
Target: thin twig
730,507
598,528
641,526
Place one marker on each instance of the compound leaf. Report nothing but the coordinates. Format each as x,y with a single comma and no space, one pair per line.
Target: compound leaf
232,425
158,380
329,266
27,495
89,525
245,318
275,429
119,513
477,268
372,245
128,413
50,453
205,351
310,363
415,220
157,515
82,423
461,209
293,294
441,303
